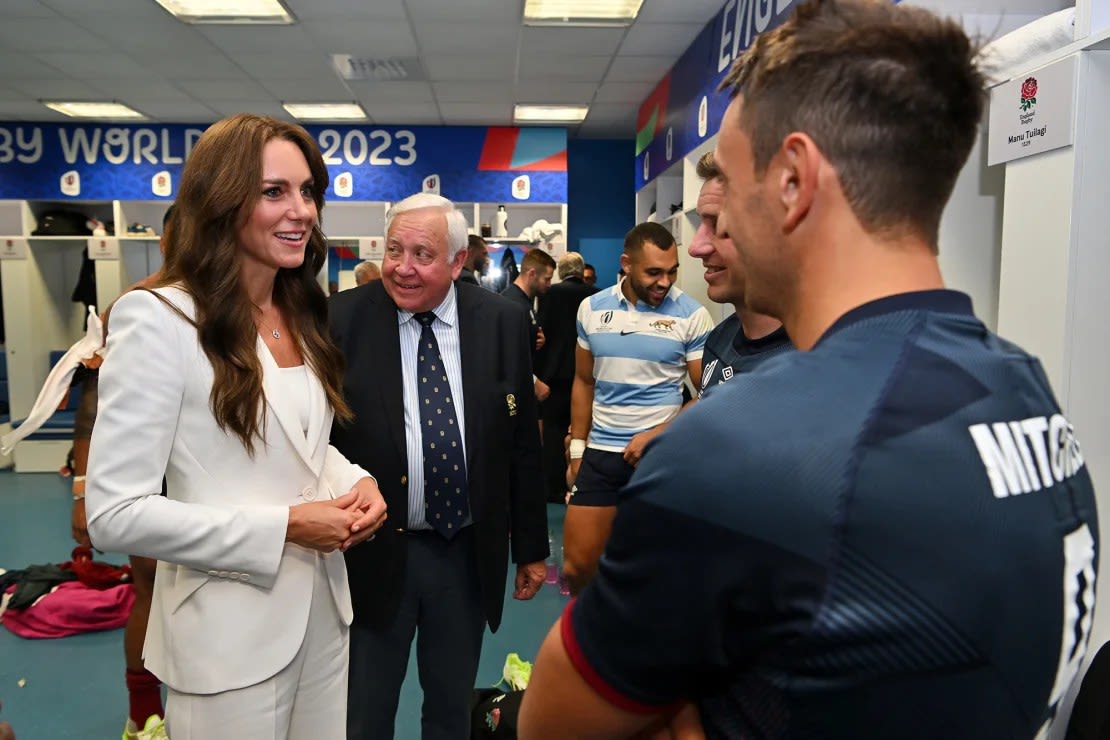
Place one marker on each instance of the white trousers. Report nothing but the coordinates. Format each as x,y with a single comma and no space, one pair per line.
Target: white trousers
306,700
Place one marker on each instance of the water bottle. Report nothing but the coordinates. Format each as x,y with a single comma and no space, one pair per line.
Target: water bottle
502,221
552,567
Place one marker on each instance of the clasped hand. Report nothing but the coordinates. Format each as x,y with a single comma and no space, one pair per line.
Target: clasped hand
340,523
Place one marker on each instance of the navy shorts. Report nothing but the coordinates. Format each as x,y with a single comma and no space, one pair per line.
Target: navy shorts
601,477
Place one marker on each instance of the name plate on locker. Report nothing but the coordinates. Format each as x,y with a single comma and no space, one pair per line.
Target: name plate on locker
371,248
13,248
103,248
1034,113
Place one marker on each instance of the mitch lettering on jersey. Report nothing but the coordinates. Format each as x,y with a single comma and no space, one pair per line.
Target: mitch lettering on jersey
1027,455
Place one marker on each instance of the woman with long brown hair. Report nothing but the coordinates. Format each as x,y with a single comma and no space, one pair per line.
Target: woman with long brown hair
224,379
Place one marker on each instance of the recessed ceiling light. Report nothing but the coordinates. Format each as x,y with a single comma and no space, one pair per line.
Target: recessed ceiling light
86,109
326,111
550,113
229,11
581,12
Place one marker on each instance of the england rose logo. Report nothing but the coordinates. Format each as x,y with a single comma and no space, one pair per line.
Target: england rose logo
1028,93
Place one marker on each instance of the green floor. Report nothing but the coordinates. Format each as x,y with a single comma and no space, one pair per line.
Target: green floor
74,686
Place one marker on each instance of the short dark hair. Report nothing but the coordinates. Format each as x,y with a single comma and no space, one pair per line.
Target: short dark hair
536,259
891,95
473,241
588,266
707,168
649,231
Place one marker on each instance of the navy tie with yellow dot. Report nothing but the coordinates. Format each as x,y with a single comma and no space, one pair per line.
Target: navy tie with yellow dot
446,507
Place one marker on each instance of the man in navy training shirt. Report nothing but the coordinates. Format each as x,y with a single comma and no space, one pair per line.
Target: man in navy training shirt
900,538
745,339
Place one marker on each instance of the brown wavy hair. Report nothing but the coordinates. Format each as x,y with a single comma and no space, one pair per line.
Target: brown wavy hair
220,186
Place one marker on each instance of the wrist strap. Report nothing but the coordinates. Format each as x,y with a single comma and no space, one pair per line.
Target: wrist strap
577,448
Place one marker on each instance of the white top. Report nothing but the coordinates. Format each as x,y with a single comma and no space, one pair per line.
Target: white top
295,382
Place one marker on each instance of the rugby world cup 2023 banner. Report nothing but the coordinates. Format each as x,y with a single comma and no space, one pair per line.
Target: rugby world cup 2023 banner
49,161
685,108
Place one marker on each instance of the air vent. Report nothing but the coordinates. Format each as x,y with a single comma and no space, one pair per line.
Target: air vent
351,67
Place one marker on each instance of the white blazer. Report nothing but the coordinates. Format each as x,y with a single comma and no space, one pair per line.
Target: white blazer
231,597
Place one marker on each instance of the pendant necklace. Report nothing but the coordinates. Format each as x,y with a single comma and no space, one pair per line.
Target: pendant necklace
273,330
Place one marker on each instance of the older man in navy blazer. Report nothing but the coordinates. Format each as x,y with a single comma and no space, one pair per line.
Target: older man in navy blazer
440,379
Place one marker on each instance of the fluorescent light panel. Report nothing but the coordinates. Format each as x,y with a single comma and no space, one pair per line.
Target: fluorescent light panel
325,111
581,12
550,113
86,109
229,11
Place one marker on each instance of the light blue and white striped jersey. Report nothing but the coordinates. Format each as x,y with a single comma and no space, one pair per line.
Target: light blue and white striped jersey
640,355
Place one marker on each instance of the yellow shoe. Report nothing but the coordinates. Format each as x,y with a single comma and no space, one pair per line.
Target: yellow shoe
154,729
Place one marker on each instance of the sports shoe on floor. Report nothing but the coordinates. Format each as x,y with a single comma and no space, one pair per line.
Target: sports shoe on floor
153,729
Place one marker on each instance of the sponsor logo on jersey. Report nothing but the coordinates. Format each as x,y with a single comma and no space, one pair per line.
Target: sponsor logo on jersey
1027,455
708,373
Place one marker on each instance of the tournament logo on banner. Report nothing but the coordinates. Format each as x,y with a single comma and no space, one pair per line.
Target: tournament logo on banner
47,161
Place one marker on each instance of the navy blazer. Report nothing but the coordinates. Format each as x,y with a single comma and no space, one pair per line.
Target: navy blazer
502,440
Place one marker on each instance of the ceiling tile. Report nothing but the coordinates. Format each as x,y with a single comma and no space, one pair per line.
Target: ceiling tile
27,9
322,90
580,68
466,10
679,11
605,131
473,92
493,68
150,88
12,95
660,39
221,90
18,67
47,34
345,10
103,8
555,92
414,114
624,92
167,35
210,66
376,39
89,66
57,89
570,40
180,112
439,39
302,66
270,39
259,107
392,92
639,69
474,112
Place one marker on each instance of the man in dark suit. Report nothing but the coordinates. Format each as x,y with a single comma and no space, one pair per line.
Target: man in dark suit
558,311
439,377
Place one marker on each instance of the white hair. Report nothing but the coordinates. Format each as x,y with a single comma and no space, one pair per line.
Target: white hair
456,221
570,264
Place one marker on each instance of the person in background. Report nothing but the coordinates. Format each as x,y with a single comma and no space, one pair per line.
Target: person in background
589,275
637,342
898,539
367,271
144,690
746,339
558,314
221,378
533,282
477,260
440,383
